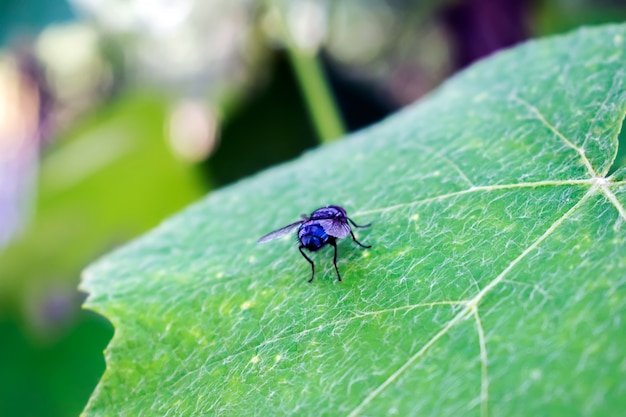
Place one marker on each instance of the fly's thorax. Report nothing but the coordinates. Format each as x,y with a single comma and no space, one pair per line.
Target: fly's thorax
329,212
312,235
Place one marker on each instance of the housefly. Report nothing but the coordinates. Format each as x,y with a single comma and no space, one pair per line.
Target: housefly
323,227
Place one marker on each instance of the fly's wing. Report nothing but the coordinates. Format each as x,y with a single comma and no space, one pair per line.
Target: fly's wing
335,227
280,232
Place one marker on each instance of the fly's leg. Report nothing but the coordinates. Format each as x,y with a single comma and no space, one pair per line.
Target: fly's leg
359,243
356,225
361,227
332,242
310,261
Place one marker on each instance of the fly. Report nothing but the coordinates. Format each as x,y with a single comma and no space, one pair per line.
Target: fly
323,227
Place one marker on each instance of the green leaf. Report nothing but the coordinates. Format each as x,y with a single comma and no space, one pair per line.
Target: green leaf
495,284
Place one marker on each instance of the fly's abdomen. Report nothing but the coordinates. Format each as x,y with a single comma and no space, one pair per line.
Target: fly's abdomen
312,236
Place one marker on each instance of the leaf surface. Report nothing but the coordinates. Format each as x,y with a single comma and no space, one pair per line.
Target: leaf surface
495,285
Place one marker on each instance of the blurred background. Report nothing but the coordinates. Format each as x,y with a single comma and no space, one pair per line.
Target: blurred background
115,114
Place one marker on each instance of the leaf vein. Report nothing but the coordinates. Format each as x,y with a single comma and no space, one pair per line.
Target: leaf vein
476,189
320,327
553,129
615,86
484,363
448,161
613,200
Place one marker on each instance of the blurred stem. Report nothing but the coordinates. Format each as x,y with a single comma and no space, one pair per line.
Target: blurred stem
317,94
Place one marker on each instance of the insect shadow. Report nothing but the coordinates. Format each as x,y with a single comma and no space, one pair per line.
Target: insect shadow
323,227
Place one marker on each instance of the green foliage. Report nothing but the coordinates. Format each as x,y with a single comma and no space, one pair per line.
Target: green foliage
106,182
51,378
495,284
